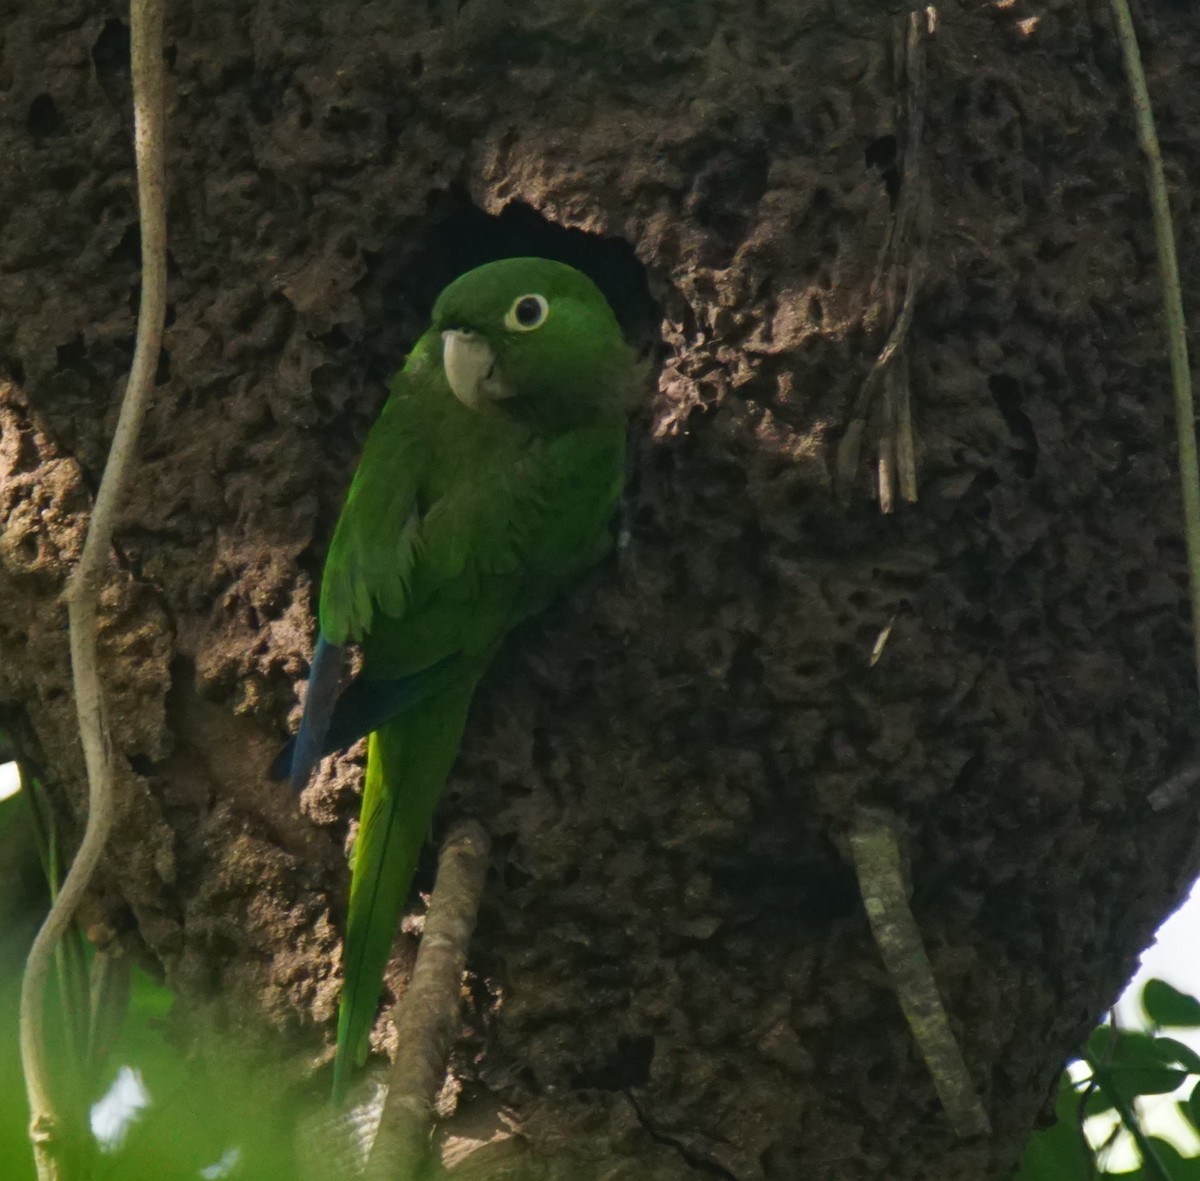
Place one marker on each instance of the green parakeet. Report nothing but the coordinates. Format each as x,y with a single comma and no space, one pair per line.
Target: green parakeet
487,484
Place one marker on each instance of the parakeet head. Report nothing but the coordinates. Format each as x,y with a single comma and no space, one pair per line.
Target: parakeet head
536,338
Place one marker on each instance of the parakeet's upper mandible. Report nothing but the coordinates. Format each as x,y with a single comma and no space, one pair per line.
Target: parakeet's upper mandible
486,485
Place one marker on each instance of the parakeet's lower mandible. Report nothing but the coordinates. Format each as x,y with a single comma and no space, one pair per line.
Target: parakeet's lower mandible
487,485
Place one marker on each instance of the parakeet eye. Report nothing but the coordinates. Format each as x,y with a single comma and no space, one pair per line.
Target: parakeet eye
527,313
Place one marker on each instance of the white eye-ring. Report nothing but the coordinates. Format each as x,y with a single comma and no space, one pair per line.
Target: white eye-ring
527,313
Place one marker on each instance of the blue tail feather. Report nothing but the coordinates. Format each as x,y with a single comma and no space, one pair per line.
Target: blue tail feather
309,743
366,705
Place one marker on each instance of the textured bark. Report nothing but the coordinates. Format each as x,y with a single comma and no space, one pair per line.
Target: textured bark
673,974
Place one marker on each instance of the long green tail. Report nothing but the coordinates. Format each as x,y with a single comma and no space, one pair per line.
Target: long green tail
408,760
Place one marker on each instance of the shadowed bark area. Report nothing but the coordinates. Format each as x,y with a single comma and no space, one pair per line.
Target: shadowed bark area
673,973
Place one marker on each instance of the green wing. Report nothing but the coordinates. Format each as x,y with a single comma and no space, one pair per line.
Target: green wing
440,511
374,547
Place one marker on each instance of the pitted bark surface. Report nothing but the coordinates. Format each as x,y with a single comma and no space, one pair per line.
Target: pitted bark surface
673,972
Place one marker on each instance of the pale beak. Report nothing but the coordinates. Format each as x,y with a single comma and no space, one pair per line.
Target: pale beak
471,370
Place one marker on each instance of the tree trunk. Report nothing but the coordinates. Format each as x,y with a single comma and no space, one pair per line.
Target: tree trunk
674,975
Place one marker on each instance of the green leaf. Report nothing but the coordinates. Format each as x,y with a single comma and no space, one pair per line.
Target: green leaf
1166,1005
1127,1063
1057,1153
1098,1102
1184,1055
1191,1107
14,805
150,999
1132,1082
1127,1047
1179,1168
1101,1044
42,822
10,811
1131,1048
